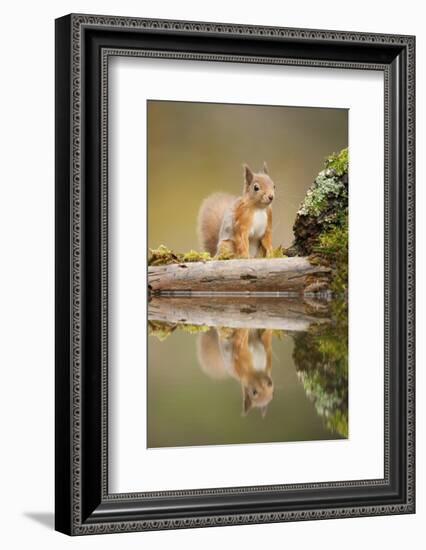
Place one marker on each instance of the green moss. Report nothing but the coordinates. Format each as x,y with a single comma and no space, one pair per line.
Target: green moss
194,329
338,162
321,359
193,256
279,333
225,255
332,248
278,252
160,329
338,422
163,256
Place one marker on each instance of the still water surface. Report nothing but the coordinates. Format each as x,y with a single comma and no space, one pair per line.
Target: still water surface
229,371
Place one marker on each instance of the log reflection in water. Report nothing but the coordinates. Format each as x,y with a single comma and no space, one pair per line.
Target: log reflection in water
239,312
235,340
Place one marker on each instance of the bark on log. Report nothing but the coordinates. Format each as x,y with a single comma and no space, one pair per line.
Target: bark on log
270,313
293,275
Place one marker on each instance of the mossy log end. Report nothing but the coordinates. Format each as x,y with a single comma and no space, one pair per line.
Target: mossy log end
293,275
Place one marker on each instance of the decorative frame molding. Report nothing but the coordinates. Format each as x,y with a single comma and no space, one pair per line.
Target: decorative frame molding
84,43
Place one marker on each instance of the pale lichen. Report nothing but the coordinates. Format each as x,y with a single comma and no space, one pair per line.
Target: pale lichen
324,190
324,207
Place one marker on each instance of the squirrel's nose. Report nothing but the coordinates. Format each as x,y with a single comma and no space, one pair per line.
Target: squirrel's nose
271,197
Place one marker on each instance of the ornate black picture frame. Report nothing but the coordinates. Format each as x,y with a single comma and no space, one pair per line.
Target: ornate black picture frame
84,44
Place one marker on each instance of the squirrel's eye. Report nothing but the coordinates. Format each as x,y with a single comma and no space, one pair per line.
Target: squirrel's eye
256,187
254,392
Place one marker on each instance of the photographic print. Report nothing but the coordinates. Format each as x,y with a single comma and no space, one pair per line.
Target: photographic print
209,192
247,273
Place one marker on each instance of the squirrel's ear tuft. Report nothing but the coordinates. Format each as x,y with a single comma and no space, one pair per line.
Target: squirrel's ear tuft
265,168
246,401
248,175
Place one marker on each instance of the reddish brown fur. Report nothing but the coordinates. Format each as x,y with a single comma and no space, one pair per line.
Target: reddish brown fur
215,206
266,242
209,355
210,219
211,361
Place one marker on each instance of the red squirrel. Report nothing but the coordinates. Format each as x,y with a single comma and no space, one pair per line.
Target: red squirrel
243,354
239,226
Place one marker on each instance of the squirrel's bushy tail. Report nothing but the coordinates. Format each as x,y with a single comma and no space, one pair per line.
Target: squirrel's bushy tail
209,355
210,219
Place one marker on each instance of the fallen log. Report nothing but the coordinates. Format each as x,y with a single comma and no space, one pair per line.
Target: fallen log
293,275
253,312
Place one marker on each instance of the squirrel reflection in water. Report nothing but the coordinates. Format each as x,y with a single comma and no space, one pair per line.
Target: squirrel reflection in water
243,354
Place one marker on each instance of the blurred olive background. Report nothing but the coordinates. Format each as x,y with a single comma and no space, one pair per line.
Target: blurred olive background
188,407
195,149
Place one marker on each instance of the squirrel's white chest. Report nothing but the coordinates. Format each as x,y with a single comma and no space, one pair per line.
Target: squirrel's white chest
258,224
257,231
258,355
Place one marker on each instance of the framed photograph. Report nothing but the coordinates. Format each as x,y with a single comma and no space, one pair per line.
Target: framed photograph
234,274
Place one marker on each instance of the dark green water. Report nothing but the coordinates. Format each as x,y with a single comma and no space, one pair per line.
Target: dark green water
215,385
